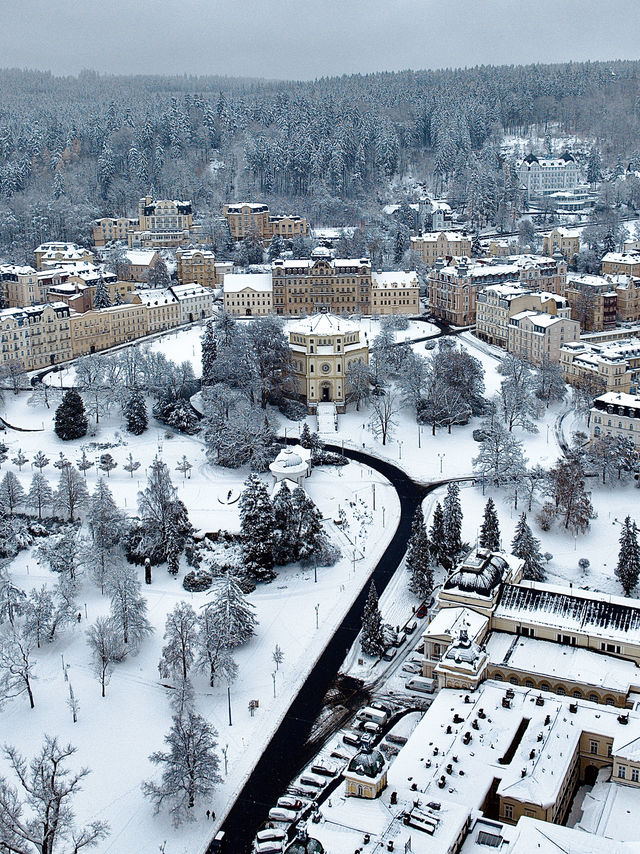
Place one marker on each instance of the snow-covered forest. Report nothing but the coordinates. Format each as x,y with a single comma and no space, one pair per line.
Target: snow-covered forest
72,149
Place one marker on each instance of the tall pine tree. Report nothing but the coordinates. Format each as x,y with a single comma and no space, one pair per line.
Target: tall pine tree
527,548
256,526
135,411
209,346
436,534
419,558
71,419
101,296
490,529
628,567
452,523
372,638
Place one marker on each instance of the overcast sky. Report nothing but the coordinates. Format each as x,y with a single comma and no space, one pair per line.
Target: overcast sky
296,39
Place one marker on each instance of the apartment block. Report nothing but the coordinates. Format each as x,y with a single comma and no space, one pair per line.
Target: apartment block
627,263
616,414
541,176
566,241
140,262
248,294
441,244
322,283
35,336
593,301
97,330
497,304
246,218
162,308
112,229
199,265
534,335
613,365
195,302
453,289
56,254
395,293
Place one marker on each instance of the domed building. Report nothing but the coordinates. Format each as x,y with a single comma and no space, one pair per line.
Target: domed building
463,665
305,844
366,774
324,347
477,580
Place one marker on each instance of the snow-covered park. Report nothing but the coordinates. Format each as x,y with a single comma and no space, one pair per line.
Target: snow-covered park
116,735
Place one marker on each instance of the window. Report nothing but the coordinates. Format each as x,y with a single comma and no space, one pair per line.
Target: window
622,772
508,810
635,775
593,746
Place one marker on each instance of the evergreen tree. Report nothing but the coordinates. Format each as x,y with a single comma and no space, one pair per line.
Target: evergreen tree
71,419
608,244
135,412
476,247
284,542
452,523
106,524
372,639
436,534
128,606
308,534
525,546
101,296
131,465
419,558
309,440
164,517
628,567
256,526
41,461
209,345
107,463
490,528
230,613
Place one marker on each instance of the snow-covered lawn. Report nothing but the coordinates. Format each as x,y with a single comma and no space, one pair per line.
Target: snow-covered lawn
115,735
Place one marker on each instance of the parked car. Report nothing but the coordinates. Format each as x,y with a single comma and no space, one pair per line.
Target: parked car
352,738
280,814
422,611
309,779
288,803
390,654
398,639
410,668
270,833
410,627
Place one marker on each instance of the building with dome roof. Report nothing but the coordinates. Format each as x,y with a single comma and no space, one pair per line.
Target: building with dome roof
324,347
366,774
292,463
477,580
305,844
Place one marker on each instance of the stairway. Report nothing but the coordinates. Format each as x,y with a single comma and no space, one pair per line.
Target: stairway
327,414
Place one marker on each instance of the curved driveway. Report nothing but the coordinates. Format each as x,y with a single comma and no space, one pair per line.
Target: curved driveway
284,756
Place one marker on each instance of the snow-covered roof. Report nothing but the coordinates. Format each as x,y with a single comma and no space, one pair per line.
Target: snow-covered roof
397,279
620,398
561,661
621,258
156,296
141,257
507,291
481,572
448,622
60,246
191,290
434,236
16,269
323,324
564,232
457,741
236,282
613,618
542,837
610,810
538,318
189,254
255,206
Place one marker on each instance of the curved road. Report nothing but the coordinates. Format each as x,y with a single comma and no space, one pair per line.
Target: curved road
283,757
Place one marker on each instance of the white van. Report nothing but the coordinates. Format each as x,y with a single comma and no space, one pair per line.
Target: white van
421,684
370,714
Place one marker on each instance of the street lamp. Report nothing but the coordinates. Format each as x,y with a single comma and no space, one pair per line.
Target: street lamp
419,435
229,701
273,676
315,569
317,609
399,449
441,457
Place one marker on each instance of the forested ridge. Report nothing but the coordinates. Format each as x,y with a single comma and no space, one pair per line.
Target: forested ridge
72,148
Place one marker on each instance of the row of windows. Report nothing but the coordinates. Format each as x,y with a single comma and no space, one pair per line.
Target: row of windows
635,773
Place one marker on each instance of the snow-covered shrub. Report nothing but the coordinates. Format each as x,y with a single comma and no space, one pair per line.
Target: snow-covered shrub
177,414
133,548
328,458
327,555
548,556
584,564
545,517
294,410
197,580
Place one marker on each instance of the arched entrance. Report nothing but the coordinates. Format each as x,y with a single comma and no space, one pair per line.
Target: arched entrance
326,392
